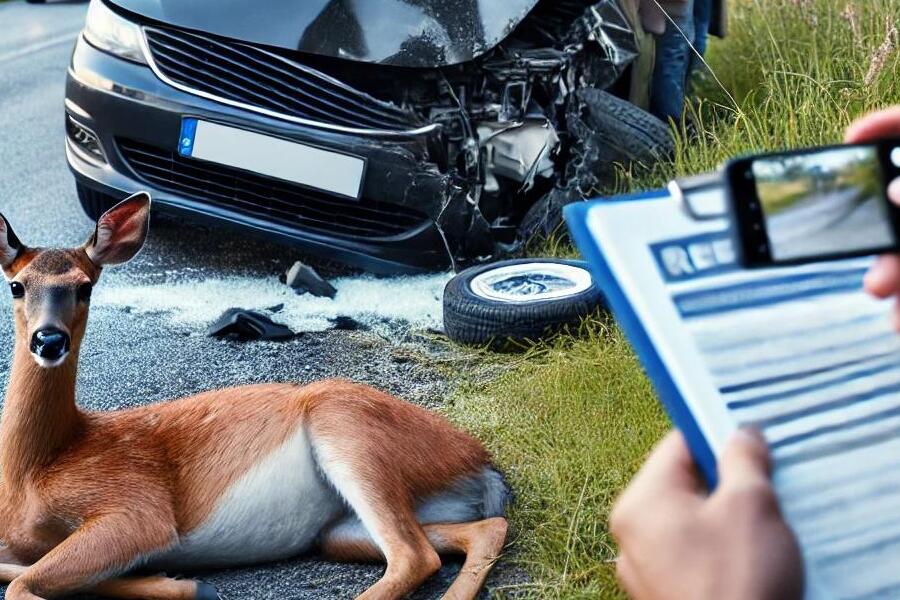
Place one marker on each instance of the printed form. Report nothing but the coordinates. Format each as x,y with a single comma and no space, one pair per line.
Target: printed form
803,354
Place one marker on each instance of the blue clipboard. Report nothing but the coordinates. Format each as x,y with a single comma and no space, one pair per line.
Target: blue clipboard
575,216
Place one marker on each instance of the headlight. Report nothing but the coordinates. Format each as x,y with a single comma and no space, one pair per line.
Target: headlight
109,32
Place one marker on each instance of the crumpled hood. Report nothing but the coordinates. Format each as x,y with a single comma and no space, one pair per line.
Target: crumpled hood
406,33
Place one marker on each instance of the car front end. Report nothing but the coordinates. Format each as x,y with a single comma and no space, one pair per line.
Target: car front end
414,159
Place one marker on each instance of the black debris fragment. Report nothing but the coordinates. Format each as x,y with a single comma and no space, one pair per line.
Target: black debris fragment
303,278
277,308
246,325
345,323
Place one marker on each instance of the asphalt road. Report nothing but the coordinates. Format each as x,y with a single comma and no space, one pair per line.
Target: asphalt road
830,221
132,357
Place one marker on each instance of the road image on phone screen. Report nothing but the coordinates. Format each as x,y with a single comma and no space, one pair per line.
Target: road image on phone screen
826,202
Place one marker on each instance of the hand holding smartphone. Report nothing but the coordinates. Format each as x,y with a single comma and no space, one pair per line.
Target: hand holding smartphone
815,204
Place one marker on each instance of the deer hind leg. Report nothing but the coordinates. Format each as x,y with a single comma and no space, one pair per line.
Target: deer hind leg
480,541
462,519
387,528
384,533
356,435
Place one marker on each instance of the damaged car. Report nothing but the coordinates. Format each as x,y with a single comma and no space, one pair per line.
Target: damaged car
393,135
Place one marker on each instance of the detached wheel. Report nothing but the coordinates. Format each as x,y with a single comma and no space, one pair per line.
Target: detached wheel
518,300
93,202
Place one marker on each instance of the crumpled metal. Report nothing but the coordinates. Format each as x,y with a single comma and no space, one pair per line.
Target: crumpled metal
590,167
607,43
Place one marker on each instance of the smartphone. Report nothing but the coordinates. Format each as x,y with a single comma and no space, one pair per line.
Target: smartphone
814,204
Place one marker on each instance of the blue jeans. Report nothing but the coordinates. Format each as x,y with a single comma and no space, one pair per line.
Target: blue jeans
675,59
702,19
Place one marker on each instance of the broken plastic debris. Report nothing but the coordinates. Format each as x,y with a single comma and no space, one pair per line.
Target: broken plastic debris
345,323
246,325
604,31
303,278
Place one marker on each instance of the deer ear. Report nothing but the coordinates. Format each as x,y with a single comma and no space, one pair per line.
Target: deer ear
121,231
10,246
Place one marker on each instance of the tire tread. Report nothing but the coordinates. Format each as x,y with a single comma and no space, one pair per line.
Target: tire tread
470,319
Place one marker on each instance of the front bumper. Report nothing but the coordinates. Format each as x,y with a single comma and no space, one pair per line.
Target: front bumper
137,120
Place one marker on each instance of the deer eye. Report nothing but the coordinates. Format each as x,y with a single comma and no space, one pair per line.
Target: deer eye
17,289
84,292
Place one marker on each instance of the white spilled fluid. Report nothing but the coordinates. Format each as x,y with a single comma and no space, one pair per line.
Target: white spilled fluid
413,300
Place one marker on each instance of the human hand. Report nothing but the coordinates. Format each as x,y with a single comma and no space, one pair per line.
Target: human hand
883,279
677,541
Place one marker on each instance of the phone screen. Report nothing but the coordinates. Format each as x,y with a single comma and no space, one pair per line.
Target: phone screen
825,202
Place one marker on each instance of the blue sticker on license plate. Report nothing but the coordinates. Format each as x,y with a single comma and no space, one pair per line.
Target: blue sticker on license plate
186,139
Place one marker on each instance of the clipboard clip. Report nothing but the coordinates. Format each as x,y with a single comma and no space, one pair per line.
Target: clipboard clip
702,197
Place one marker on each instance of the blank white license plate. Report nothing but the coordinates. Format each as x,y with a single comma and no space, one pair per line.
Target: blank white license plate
274,157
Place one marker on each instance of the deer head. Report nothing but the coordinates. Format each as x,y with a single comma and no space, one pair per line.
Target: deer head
51,288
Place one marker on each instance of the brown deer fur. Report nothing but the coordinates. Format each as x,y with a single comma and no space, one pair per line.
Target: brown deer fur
87,496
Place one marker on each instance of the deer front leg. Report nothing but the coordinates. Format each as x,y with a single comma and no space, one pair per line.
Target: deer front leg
102,548
134,588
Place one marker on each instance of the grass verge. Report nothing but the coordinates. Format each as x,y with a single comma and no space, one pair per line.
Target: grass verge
572,420
569,423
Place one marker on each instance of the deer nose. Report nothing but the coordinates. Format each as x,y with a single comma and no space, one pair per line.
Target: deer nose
50,343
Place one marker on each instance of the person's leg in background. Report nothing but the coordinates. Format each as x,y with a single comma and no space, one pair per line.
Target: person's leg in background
675,59
703,14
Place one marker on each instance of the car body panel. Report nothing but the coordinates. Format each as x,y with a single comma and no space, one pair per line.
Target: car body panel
457,158
122,100
403,33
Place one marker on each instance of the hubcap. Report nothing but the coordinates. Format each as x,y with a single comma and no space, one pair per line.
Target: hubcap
530,282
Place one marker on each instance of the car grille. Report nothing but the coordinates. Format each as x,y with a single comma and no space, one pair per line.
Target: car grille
273,200
261,80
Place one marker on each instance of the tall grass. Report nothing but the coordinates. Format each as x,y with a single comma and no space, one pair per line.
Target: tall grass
573,421
795,73
790,73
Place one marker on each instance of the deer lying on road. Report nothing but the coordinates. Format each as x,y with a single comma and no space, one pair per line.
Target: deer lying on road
227,477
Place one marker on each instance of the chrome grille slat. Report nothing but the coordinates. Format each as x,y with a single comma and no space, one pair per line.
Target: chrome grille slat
263,95
225,87
273,200
252,77
282,71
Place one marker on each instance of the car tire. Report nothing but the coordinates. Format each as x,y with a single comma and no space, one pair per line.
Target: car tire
518,300
625,130
544,218
94,203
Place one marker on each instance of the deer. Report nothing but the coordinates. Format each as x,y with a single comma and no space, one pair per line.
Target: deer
94,501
